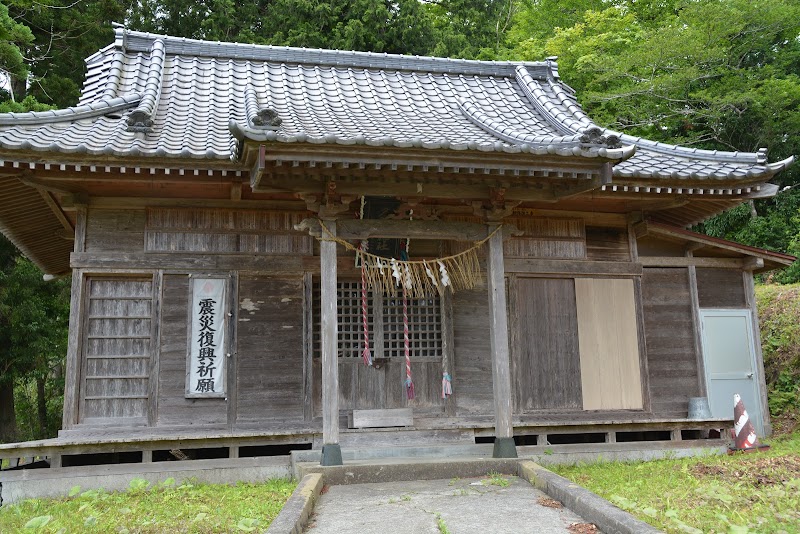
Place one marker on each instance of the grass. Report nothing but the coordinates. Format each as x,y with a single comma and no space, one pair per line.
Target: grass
496,479
743,493
441,525
167,507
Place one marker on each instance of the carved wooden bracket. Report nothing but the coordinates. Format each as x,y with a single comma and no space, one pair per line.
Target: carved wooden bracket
331,205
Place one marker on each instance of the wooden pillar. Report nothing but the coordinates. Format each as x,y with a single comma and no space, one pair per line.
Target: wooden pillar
331,451
694,297
750,297
76,310
498,338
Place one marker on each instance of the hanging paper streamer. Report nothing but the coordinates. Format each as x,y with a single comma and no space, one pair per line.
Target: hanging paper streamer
366,354
417,277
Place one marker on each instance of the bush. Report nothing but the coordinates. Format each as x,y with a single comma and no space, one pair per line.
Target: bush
779,311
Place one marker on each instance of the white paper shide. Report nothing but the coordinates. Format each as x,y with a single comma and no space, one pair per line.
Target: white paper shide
205,375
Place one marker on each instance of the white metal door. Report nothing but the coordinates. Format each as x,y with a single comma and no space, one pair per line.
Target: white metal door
729,356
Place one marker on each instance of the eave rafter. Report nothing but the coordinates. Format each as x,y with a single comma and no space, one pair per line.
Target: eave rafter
424,173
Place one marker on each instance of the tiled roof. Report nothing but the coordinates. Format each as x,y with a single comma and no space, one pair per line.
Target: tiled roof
152,96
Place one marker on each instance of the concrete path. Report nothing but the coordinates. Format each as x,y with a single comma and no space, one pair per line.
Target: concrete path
497,504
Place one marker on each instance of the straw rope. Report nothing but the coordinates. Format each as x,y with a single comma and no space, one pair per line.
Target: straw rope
417,277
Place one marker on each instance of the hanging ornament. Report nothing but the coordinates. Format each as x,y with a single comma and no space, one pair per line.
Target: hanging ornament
366,354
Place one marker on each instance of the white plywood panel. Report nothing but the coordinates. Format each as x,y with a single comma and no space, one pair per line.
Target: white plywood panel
609,348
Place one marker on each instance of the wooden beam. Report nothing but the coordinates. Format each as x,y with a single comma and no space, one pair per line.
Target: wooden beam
328,329
308,347
136,203
572,267
413,186
498,340
74,349
752,263
193,261
51,203
697,331
401,229
681,261
640,229
155,348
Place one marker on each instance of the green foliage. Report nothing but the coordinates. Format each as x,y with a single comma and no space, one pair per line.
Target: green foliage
717,74
188,507
28,104
13,36
778,311
739,493
34,318
63,34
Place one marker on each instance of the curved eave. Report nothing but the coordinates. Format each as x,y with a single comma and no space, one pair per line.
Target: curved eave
742,174
86,111
556,148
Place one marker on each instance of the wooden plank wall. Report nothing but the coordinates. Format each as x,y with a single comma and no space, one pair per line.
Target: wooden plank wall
472,369
720,288
545,362
110,231
225,231
546,238
269,355
174,409
670,340
117,350
607,244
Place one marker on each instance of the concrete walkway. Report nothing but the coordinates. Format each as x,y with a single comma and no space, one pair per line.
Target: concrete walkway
496,504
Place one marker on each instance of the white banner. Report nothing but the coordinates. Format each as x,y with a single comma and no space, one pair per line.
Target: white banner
205,375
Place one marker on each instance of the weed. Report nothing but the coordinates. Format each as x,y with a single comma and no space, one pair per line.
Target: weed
441,525
496,479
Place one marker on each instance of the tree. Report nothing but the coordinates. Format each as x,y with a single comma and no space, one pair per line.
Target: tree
34,317
63,34
717,74
471,29
13,35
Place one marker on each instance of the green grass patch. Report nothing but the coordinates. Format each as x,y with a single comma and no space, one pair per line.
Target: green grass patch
166,507
743,493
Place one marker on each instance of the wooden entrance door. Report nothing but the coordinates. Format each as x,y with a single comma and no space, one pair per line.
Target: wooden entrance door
382,385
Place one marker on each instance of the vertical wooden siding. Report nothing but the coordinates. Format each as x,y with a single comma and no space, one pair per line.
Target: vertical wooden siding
609,344
607,244
225,231
669,337
547,238
546,367
115,230
472,366
173,406
270,338
117,350
720,288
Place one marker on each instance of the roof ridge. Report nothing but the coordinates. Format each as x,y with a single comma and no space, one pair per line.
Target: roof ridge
756,158
136,41
141,118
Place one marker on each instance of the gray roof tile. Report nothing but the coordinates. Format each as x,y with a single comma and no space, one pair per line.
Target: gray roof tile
202,98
